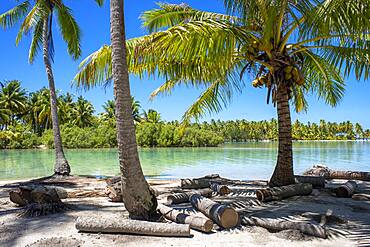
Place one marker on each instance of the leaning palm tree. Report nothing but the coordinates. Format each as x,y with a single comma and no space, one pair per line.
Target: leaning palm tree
290,48
37,18
139,200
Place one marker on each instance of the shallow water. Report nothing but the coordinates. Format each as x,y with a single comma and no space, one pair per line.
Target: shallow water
252,160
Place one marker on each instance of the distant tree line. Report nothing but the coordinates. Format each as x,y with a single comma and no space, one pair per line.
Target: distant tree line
25,122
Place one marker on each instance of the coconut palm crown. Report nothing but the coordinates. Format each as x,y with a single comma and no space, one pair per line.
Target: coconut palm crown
292,48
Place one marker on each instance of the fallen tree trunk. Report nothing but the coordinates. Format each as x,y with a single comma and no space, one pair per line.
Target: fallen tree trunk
220,189
118,225
222,215
279,193
183,197
316,181
202,182
321,170
361,197
346,190
195,222
86,193
279,225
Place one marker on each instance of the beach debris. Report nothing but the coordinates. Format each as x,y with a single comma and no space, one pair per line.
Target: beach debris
279,193
222,215
322,170
280,225
183,197
206,181
38,199
347,189
196,222
96,192
316,181
323,219
121,225
220,189
361,197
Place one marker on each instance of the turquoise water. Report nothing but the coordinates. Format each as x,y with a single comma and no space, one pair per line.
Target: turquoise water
240,161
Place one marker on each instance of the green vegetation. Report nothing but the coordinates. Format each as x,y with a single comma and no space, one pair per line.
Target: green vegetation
25,122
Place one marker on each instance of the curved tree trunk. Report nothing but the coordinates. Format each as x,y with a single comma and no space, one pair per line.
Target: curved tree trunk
139,200
283,173
61,166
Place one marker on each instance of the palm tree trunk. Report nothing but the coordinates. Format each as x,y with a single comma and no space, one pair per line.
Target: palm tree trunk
139,200
61,164
283,173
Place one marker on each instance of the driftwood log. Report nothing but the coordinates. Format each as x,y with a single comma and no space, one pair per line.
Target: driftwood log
222,215
38,199
321,170
86,193
361,197
347,189
279,193
220,189
202,182
195,222
120,225
183,197
279,225
316,181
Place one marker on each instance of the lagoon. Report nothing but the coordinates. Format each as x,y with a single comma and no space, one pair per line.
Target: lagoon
251,160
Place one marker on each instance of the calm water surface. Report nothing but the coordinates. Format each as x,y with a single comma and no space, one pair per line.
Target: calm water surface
240,161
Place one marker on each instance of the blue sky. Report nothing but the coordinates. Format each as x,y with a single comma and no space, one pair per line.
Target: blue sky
94,22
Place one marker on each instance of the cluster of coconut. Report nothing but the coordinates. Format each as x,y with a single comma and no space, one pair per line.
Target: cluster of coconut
293,74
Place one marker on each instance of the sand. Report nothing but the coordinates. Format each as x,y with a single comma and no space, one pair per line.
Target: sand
59,229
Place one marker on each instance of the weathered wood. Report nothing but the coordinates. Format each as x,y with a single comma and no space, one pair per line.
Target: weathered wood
222,215
347,189
38,199
183,197
316,181
114,192
195,222
86,193
279,225
202,182
120,225
279,193
361,197
321,170
24,195
220,189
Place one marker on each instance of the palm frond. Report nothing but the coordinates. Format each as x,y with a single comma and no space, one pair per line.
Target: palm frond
14,15
36,41
169,15
323,78
70,30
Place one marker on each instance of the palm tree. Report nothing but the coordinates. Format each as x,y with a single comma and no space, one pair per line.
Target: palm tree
152,116
82,114
110,105
37,18
139,200
13,99
292,48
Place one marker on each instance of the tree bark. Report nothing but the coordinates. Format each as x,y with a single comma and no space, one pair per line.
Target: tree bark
279,193
140,202
220,189
283,173
347,189
222,215
61,166
183,197
195,222
279,225
326,172
316,181
118,225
